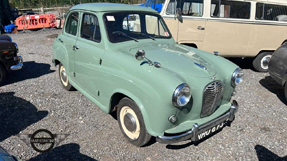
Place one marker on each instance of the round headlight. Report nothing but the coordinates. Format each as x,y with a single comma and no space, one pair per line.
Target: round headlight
181,95
237,77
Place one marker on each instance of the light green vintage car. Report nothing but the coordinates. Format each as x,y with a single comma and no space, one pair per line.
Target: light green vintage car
124,59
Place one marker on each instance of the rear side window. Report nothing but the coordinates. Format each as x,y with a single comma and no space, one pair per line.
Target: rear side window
72,24
230,9
90,28
271,12
188,7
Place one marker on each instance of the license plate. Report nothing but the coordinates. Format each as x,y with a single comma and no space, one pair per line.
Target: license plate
210,131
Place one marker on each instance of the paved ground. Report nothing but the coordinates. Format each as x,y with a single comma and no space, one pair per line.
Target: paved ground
33,99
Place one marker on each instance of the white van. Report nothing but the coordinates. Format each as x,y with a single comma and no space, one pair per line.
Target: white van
234,28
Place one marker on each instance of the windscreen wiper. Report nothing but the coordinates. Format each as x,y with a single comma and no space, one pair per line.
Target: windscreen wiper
148,36
122,33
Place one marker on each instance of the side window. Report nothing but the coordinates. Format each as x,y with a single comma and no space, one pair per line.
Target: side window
154,26
188,8
132,23
90,28
230,9
72,23
271,12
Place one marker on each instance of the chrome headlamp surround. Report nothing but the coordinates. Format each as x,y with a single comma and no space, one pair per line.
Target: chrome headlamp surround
237,77
181,95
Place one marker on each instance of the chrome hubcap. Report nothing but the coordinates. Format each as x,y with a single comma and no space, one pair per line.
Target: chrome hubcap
265,61
130,122
64,75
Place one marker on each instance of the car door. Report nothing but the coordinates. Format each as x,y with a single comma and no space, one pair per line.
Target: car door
190,27
88,55
68,38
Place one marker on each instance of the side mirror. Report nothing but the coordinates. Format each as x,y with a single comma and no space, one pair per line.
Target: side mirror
178,12
65,15
140,55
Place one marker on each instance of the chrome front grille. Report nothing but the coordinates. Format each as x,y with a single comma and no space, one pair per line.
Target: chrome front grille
212,96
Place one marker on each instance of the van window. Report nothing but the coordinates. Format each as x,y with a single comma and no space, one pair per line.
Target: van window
230,9
188,8
90,28
271,12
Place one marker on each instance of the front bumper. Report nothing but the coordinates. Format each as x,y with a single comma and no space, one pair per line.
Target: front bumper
19,64
193,133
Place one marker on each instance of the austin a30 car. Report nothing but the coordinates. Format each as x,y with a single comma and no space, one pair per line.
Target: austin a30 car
124,59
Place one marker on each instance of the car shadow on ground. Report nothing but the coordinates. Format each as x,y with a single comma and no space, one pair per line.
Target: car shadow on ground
16,114
67,152
264,154
271,85
31,69
245,63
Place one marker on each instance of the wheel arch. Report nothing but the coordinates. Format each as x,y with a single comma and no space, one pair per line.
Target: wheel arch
190,45
263,51
285,41
56,62
120,94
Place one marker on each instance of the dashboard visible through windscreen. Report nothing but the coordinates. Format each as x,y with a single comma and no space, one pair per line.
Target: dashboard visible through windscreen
129,26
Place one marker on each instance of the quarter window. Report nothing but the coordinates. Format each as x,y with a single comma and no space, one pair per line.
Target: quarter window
230,9
90,28
271,12
72,23
188,7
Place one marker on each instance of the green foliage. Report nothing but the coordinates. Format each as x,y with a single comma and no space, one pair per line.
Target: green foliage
60,3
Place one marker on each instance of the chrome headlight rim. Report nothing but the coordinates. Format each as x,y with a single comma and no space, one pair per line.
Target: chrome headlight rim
237,77
178,91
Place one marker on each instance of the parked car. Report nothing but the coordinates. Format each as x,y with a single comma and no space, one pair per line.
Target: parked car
8,57
278,67
158,87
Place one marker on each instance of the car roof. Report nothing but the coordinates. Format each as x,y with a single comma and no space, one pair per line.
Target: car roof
106,7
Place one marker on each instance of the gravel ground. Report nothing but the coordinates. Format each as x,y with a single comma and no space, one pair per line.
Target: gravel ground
33,99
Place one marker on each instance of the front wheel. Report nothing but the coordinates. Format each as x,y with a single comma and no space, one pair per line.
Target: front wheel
3,74
64,78
261,62
131,123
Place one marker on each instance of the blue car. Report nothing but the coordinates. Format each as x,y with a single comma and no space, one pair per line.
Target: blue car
154,4
5,156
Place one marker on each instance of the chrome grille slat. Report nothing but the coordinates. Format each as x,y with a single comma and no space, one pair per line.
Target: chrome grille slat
212,94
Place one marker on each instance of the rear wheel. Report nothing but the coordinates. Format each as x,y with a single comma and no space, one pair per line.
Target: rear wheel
131,123
64,78
261,62
3,74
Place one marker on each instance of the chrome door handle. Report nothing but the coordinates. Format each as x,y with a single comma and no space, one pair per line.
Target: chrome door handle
61,40
75,47
200,28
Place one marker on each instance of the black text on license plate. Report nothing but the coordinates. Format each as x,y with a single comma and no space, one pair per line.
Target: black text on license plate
210,131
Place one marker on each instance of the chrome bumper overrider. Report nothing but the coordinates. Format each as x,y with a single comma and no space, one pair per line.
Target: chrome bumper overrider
19,64
192,134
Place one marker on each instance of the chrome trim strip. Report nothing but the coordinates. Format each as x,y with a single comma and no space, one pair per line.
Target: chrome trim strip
192,134
19,64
